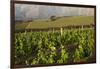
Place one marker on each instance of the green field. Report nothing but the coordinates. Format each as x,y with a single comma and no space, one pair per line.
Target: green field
55,46
63,21
72,46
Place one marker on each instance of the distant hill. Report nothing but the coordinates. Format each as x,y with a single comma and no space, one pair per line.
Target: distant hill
60,22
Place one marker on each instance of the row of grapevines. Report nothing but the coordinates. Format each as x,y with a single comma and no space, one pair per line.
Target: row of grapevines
53,47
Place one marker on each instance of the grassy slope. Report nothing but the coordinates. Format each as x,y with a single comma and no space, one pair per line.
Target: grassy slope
64,21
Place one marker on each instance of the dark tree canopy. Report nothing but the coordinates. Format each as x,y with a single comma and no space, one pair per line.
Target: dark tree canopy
53,18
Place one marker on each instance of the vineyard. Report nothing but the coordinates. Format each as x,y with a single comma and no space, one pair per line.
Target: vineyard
54,47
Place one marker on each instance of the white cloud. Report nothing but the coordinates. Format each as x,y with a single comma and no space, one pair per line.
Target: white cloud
26,11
